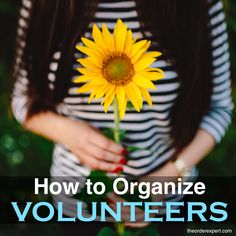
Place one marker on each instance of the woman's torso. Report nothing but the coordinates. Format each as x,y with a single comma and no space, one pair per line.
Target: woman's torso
148,129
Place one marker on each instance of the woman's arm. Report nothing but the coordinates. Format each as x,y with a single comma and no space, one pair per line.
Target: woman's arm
84,141
90,146
201,145
215,122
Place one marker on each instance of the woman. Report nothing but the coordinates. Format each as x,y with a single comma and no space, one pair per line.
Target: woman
191,106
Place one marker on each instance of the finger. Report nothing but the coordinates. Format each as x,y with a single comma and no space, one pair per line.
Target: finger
105,143
103,154
96,164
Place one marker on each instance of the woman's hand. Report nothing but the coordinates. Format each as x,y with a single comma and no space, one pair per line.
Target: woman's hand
94,149
89,145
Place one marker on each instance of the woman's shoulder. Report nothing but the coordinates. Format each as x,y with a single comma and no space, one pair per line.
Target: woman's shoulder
215,6
26,4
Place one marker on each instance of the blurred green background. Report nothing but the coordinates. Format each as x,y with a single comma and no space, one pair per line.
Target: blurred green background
25,154
22,153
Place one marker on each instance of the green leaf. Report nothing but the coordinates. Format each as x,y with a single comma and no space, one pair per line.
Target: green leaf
97,173
107,232
122,135
127,233
133,148
109,133
129,105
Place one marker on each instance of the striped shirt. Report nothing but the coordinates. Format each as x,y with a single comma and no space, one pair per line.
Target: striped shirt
150,128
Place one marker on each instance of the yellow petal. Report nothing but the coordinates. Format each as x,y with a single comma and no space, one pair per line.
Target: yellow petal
82,79
100,81
87,51
109,98
142,64
109,90
134,95
158,70
135,39
137,46
86,88
86,71
100,94
147,45
136,91
120,94
152,54
101,91
128,42
143,82
108,39
137,56
88,64
97,36
97,61
92,95
154,69
90,44
122,115
147,96
123,110
152,75
97,79
120,35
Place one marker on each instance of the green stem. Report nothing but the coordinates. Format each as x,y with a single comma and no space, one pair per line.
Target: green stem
120,227
117,121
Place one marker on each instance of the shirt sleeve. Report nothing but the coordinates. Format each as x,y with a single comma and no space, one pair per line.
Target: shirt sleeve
216,121
19,98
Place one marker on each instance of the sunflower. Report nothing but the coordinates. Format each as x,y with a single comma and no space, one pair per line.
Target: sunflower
117,67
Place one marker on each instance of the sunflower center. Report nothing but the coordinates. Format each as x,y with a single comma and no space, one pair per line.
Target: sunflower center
118,69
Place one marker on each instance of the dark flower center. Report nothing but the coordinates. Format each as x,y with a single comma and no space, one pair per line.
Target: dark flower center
118,69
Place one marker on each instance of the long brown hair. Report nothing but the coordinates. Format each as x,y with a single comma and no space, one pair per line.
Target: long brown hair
180,25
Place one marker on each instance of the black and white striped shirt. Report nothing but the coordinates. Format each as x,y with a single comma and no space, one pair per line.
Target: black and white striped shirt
149,129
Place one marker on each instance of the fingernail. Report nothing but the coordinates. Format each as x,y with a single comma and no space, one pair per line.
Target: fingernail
117,169
110,200
123,161
124,151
